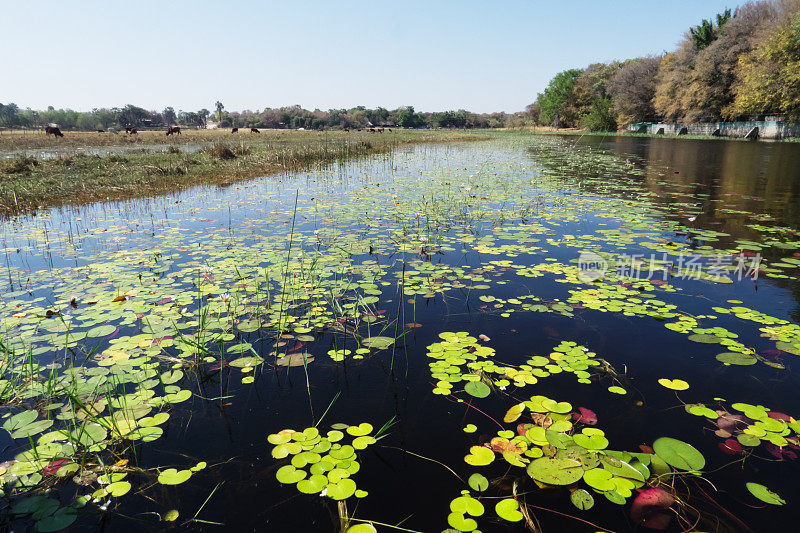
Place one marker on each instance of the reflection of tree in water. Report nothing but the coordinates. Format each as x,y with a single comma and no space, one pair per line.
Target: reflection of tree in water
721,183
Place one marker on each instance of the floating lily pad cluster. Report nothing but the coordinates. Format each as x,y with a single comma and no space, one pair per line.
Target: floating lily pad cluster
744,427
322,464
459,357
558,447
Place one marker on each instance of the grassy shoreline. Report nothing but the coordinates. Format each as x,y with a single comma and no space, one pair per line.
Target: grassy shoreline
29,183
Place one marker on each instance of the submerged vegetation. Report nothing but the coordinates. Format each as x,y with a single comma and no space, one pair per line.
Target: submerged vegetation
443,301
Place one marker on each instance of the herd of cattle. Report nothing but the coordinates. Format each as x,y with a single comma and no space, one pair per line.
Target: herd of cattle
173,130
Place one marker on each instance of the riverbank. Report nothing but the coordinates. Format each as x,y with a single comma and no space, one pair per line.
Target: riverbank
28,182
579,132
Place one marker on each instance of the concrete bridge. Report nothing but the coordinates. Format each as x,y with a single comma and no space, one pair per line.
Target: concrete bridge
750,130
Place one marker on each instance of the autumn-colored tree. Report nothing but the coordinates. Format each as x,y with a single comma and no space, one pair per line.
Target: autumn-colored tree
632,89
769,76
714,74
673,98
588,88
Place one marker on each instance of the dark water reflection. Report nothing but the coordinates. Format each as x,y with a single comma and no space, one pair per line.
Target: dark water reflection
762,177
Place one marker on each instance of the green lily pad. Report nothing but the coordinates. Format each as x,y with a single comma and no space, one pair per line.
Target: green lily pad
581,499
477,389
171,476
378,343
736,358
673,384
599,479
342,489
479,456
478,482
362,528
679,454
764,494
59,520
362,429
314,484
119,488
288,474
555,470
508,509
591,442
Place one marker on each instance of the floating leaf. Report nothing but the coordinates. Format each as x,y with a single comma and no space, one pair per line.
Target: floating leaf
555,470
362,528
508,509
288,474
679,454
477,389
378,343
514,413
599,479
171,476
764,494
673,384
736,358
581,499
479,456
478,482
342,489
61,519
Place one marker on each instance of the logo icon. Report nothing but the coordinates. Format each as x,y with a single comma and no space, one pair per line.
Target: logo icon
591,266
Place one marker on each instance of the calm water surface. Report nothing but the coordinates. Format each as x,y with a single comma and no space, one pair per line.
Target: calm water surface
545,200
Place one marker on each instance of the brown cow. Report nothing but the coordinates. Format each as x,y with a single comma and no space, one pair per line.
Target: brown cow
254,130
132,130
53,130
128,128
235,130
174,129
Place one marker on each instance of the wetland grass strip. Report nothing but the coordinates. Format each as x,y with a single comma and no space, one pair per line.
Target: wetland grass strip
153,165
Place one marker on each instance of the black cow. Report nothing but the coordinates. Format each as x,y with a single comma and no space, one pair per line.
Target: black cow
53,130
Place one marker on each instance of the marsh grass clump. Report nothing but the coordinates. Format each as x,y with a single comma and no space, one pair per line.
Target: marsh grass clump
19,165
221,151
173,150
241,149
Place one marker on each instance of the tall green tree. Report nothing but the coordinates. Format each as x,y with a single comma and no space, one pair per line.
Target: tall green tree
554,98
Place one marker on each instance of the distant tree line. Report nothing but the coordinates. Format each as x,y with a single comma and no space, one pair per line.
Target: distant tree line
291,117
741,65
11,116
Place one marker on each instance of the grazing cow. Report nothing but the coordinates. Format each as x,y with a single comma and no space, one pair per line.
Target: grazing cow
132,130
234,130
128,128
372,130
101,131
53,130
174,129
254,130
380,130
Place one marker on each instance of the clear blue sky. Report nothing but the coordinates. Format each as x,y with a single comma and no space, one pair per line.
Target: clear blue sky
435,55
